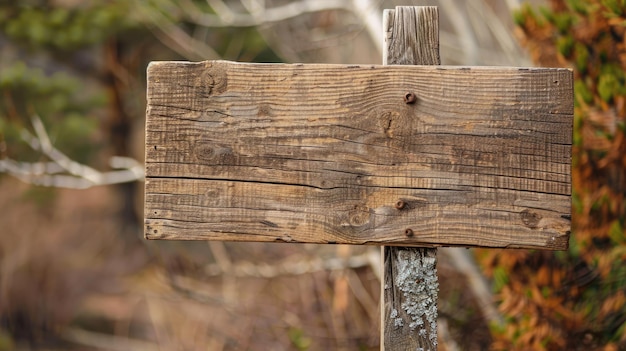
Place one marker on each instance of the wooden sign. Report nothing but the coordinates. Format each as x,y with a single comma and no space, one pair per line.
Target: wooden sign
384,155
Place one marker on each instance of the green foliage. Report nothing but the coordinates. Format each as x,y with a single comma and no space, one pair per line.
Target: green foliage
44,40
298,339
613,7
519,17
616,232
582,93
562,21
500,279
64,28
565,45
611,82
40,196
580,7
6,342
57,98
581,54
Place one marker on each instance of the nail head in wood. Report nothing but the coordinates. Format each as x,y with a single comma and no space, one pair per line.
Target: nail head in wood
400,204
409,232
410,98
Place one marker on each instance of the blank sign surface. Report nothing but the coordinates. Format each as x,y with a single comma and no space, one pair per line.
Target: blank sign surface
383,155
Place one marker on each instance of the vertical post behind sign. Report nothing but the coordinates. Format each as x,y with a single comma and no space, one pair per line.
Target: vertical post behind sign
409,284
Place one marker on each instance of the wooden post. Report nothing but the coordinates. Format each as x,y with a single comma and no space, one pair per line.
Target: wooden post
410,285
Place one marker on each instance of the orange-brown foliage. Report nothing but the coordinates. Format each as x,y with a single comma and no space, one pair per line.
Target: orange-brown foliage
575,299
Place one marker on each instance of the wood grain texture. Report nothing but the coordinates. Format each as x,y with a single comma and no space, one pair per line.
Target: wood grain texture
410,285
322,153
411,36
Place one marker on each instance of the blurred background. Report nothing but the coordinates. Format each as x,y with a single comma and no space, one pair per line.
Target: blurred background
76,274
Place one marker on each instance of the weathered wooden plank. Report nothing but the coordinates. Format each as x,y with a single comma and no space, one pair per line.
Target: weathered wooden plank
411,36
409,284
324,153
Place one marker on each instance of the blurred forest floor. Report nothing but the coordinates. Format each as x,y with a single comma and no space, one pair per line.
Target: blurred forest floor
69,282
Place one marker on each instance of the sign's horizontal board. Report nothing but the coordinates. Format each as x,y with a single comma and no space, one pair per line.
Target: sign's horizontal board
335,154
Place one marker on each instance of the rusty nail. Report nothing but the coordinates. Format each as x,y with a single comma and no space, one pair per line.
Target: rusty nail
400,204
409,98
408,232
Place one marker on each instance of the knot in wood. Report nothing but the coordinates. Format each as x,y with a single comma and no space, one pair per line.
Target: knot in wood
359,216
409,232
530,218
399,204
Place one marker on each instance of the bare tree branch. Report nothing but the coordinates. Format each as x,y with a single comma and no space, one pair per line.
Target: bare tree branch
368,13
172,36
464,263
63,172
291,267
225,17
